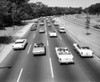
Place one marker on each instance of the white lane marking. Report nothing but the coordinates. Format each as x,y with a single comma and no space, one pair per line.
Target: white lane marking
29,49
60,37
96,58
34,36
46,33
46,30
47,43
20,75
45,27
51,68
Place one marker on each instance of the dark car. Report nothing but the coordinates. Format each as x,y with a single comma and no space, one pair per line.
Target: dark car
34,27
97,26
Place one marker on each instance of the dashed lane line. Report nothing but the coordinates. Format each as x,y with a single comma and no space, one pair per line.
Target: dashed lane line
34,36
52,74
20,75
47,43
60,37
29,49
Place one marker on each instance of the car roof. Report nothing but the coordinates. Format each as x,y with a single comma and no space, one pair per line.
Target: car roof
62,27
52,31
20,40
39,44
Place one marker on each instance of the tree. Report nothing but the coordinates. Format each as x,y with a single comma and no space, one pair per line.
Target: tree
5,7
18,2
94,9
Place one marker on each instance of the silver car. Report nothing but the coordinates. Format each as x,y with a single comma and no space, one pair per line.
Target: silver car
39,49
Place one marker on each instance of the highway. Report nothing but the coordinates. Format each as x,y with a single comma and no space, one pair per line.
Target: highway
23,66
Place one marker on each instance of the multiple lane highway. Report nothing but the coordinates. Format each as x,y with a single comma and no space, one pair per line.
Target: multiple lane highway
23,66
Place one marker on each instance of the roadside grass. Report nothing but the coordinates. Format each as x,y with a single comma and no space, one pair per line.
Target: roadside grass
6,34
6,39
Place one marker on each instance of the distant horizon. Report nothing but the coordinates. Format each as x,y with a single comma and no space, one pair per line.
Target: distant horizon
67,3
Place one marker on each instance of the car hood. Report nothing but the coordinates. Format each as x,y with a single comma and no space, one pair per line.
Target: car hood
40,49
66,56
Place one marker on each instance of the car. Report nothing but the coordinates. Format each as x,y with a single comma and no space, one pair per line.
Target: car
64,55
41,23
36,21
48,21
56,24
34,27
52,34
39,49
49,25
97,26
62,29
53,21
41,30
84,51
19,44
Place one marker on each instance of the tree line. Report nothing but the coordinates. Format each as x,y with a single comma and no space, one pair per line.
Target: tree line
93,9
12,12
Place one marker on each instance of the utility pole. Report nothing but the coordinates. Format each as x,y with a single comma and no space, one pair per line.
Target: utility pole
87,23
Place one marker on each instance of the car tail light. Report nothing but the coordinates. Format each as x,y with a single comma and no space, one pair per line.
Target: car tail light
59,58
81,52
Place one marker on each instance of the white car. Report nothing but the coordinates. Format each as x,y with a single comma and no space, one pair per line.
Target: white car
19,44
84,51
56,24
41,24
49,25
64,55
62,30
41,30
52,34
39,49
48,21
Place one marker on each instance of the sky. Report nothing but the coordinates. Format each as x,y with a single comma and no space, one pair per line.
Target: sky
67,3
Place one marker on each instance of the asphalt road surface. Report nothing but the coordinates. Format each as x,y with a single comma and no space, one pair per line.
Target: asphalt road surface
23,66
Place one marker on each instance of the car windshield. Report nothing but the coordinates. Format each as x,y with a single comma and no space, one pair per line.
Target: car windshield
78,46
39,45
19,42
64,51
85,48
52,32
41,29
62,28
